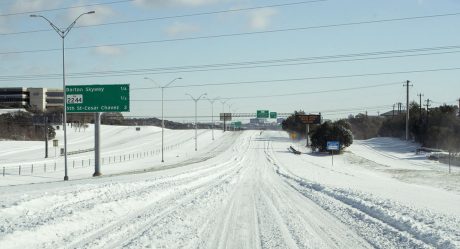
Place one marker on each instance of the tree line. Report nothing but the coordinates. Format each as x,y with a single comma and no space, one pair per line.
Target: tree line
437,127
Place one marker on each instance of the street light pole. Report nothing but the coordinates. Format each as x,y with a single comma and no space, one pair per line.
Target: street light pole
162,117
196,121
63,33
212,114
223,111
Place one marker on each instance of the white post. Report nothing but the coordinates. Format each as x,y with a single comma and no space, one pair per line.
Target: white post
196,131
162,127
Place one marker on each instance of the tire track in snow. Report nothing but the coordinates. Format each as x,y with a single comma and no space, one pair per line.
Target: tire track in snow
66,206
235,223
142,224
382,228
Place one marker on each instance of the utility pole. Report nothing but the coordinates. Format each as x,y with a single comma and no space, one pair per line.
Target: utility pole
428,104
394,110
407,85
420,96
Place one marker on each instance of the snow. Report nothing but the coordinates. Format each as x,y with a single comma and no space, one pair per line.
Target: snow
241,190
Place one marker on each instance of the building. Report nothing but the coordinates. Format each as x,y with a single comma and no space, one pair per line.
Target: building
32,99
13,97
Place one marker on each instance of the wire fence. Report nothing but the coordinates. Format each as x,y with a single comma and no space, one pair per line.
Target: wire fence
28,169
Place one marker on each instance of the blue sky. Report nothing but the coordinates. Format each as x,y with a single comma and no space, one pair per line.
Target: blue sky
168,44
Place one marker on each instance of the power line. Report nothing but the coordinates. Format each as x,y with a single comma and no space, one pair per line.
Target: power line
317,78
283,95
243,65
64,8
233,34
175,16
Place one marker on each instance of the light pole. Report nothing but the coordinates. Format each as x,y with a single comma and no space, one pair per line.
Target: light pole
196,122
223,111
212,113
223,104
162,117
63,33
230,107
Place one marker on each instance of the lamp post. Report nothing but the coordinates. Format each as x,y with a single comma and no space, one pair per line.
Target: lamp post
230,107
212,113
223,104
63,33
223,111
162,117
196,122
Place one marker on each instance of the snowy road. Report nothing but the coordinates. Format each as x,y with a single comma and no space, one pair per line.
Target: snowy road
243,194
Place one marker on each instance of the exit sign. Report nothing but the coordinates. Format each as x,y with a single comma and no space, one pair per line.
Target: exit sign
263,114
97,98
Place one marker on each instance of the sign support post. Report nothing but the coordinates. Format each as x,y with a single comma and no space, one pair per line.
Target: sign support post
306,134
225,117
333,146
97,144
46,137
332,157
308,119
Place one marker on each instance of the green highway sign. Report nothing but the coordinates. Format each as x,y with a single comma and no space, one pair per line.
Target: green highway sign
263,114
97,98
273,115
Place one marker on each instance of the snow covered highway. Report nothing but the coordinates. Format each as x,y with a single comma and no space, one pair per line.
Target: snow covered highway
245,190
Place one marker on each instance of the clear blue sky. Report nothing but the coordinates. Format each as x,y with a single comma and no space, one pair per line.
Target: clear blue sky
439,86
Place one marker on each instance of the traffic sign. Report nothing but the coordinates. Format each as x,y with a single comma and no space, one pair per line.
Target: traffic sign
263,114
333,145
273,115
309,118
226,116
97,98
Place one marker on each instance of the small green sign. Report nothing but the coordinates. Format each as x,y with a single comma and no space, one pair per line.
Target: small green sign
263,114
273,115
97,98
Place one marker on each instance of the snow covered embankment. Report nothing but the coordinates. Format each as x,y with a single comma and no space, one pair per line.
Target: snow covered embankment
397,226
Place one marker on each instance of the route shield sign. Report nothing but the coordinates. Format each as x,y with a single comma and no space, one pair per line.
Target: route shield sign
273,115
98,98
263,114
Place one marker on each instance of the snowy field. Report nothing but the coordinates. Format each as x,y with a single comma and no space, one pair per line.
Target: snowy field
242,190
